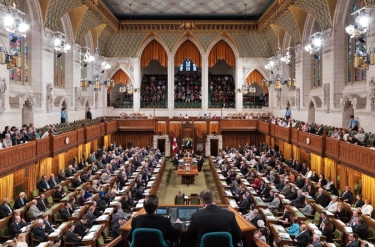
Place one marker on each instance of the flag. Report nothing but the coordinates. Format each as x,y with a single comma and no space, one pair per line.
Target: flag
174,145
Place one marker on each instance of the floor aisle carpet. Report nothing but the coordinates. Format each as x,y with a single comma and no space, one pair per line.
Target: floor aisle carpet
171,184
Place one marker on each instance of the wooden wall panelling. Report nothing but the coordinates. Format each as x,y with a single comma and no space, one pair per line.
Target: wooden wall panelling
357,157
332,148
264,127
283,133
110,127
304,156
272,129
93,132
311,142
200,128
63,142
239,125
233,138
214,126
80,136
175,128
55,165
137,125
294,136
70,156
13,158
43,147
161,126
139,139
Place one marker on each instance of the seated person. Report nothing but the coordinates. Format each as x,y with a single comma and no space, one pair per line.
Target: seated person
33,211
307,209
293,230
43,184
90,215
80,227
15,227
20,201
152,220
65,211
115,231
70,236
286,217
179,195
39,231
332,206
59,194
188,144
303,238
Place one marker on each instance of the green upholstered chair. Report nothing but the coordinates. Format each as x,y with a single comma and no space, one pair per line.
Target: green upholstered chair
337,238
216,239
154,238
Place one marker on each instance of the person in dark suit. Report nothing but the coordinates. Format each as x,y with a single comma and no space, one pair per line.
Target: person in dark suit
20,201
53,181
115,231
88,114
80,227
361,229
69,172
152,220
300,201
352,242
65,211
320,129
303,238
48,227
42,203
90,215
188,144
15,227
5,209
321,198
347,195
200,162
212,219
59,194
39,232
358,203
43,184
130,144
70,236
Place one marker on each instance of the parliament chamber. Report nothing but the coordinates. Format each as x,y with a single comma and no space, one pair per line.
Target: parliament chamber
269,104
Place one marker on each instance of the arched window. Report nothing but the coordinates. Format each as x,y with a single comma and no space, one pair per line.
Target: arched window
187,66
355,45
59,60
19,46
317,69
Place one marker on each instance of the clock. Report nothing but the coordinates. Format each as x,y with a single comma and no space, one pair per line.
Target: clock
308,140
67,140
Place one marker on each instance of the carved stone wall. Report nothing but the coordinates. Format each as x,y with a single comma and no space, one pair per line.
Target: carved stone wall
3,88
208,143
298,98
167,144
326,91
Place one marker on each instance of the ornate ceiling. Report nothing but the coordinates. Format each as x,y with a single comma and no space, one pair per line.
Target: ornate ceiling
188,9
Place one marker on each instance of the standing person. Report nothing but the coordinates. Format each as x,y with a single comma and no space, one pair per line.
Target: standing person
288,114
155,221
130,144
212,219
63,115
88,114
353,124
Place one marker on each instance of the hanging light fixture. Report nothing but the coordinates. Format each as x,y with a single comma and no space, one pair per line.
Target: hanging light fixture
128,88
362,21
60,44
315,45
86,56
13,20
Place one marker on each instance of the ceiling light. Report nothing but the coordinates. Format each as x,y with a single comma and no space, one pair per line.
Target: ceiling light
315,45
13,22
59,44
362,22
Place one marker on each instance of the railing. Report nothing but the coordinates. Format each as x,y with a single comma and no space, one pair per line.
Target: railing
357,157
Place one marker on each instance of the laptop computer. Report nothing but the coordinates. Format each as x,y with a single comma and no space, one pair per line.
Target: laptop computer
164,211
184,214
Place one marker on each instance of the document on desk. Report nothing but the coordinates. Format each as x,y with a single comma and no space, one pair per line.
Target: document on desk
23,229
348,229
89,236
108,210
94,228
156,170
42,244
102,217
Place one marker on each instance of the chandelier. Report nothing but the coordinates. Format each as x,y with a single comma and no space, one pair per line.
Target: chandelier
126,89
315,45
87,57
362,22
13,21
60,44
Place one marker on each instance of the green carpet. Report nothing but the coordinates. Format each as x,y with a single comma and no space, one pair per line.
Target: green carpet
171,184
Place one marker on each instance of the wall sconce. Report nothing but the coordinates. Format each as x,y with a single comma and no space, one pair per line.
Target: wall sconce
84,83
126,89
291,83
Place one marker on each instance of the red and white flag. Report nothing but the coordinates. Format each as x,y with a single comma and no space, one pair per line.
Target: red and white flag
174,145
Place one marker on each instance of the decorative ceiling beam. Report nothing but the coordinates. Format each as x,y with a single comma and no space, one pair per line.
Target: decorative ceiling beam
99,8
272,13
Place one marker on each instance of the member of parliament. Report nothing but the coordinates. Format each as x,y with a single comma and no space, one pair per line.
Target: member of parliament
134,123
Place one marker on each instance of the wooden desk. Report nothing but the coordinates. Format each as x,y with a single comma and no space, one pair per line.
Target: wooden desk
78,214
296,213
246,227
93,234
59,231
279,232
54,209
188,177
341,227
319,208
268,216
68,196
312,227
105,218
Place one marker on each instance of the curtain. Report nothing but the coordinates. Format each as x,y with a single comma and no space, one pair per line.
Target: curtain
316,163
199,128
61,161
161,126
6,187
87,149
79,152
33,176
287,151
94,145
221,51
175,128
105,141
256,77
214,127
45,167
120,77
188,50
367,188
295,151
268,140
154,51
330,167
343,176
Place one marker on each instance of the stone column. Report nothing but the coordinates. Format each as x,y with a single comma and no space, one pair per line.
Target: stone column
205,83
239,78
137,84
170,85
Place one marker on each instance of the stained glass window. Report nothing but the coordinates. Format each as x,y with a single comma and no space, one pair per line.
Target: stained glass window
317,70
19,47
188,66
355,45
59,69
